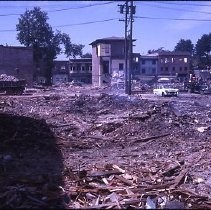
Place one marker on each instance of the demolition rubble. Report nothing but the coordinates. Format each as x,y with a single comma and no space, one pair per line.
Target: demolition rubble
72,147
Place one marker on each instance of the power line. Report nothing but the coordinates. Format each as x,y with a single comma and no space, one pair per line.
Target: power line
163,18
81,7
189,4
85,23
163,7
64,9
74,24
111,19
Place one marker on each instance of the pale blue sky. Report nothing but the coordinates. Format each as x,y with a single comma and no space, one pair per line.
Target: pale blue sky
150,33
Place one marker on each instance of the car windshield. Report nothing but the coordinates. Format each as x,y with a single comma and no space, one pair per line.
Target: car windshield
167,86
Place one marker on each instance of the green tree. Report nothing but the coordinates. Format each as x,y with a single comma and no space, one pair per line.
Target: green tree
184,46
34,31
203,50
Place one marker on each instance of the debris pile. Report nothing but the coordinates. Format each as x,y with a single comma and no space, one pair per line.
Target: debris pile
104,151
4,77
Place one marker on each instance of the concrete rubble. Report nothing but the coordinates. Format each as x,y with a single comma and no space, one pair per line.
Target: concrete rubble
81,147
4,77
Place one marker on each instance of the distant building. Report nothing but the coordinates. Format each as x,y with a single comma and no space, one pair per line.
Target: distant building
108,57
165,63
149,64
60,73
174,64
80,70
17,61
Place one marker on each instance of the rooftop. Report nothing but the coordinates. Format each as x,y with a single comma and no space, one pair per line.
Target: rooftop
108,39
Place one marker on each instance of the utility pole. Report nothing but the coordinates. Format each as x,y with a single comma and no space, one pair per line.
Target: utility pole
129,11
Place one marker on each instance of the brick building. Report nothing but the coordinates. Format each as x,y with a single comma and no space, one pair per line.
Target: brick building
174,64
18,62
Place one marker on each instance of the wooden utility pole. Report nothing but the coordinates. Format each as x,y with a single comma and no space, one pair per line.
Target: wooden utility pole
129,11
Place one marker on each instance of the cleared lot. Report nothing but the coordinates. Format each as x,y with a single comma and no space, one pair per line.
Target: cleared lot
86,148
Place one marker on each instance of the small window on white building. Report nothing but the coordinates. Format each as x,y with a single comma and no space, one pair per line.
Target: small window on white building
136,59
121,66
185,60
62,67
107,49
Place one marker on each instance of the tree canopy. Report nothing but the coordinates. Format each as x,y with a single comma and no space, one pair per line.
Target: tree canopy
203,50
34,31
184,46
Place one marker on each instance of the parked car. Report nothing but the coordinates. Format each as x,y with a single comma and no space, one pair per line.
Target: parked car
165,90
205,89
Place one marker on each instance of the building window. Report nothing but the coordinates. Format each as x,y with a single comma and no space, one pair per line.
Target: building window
166,69
107,49
185,60
153,62
161,60
78,67
173,68
135,59
121,66
143,71
143,62
62,67
172,60
73,68
87,67
153,70
185,68
180,68
90,68
161,69
83,68
166,60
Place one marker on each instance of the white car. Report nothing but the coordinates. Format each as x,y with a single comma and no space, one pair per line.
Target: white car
165,90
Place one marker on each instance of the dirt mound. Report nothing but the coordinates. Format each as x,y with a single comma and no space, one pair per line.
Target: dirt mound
31,164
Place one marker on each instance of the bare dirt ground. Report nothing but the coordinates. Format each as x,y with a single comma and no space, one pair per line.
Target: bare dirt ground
82,147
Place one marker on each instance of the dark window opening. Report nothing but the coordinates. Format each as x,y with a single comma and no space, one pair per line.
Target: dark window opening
166,69
143,71
121,66
105,67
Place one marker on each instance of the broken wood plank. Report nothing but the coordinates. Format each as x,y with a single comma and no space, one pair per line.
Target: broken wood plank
179,178
104,173
151,138
127,182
